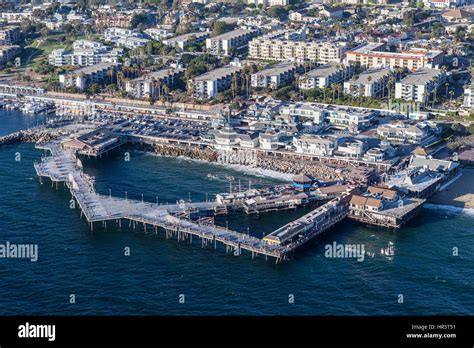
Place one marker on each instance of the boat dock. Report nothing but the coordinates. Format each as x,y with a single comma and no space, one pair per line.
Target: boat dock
63,166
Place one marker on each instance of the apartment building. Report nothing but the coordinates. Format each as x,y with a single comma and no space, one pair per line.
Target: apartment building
352,119
315,145
9,35
106,18
269,3
372,55
7,53
337,115
325,75
16,17
82,78
275,76
149,85
420,85
370,83
232,41
400,133
209,84
85,53
182,40
280,48
469,96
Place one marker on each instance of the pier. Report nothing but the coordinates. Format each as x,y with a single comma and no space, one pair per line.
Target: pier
63,166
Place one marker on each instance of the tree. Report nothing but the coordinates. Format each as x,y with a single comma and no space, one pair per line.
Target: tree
218,28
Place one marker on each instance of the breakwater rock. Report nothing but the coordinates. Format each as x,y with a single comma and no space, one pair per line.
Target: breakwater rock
205,154
315,169
33,135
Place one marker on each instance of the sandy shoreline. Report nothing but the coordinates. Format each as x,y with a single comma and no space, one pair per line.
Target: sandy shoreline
459,194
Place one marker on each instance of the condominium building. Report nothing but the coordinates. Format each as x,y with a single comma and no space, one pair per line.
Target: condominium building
124,37
352,119
325,75
469,96
370,83
7,53
401,133
182,40
149,85
232,41
280,48
16,17
420,85
209,84
374,55
85,53
275,76
9,35
84,77
315,145
269,3
109,18
339,116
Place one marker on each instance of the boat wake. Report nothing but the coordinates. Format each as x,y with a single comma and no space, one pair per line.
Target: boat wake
450,208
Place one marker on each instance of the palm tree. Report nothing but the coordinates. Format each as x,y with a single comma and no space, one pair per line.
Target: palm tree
451,93
334,87
390,84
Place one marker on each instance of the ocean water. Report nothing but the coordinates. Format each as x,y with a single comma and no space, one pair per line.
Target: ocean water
92,266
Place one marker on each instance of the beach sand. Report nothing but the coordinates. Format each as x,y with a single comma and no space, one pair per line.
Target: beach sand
459,194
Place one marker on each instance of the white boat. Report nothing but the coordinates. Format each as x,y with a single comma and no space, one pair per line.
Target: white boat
389,250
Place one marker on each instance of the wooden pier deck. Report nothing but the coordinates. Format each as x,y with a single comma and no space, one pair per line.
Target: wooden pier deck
63,166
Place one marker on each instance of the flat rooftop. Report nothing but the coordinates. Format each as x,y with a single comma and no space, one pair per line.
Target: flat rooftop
371,75
232,34
277,69
325,70
420,77
218,73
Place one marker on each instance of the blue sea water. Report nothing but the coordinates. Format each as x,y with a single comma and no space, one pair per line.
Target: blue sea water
92,266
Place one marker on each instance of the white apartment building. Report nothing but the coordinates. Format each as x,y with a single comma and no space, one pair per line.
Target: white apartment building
325,75
85,53
16,17
275,75
420,85
351,148
271,48
312,111
269,3
400,133
182,40
372,55
353,119
339,116
370,83
149,85
209,84
315,145
158,34
227,43
84,77
469,96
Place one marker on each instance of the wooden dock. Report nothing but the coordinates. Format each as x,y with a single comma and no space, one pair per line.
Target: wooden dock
62,166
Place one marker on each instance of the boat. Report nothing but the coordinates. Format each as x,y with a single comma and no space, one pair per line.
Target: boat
389,250
212,177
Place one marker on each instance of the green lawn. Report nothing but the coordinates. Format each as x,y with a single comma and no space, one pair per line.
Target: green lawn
42,48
